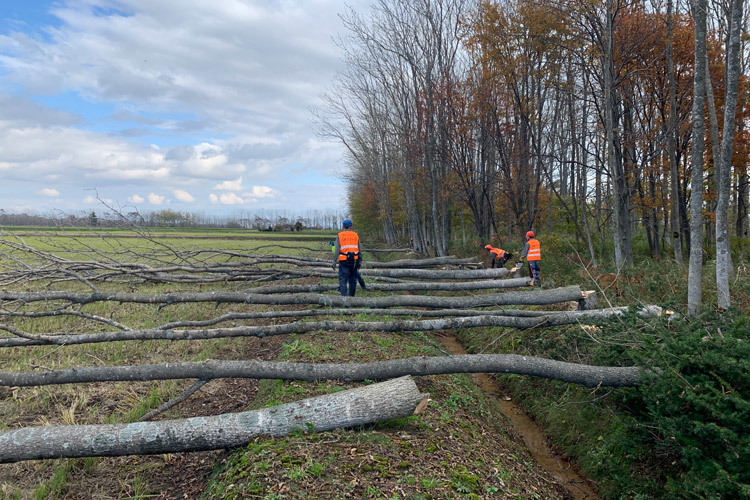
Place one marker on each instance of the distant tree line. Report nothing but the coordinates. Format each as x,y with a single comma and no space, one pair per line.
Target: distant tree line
262,220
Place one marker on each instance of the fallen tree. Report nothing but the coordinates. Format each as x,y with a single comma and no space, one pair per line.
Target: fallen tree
530,297
520,321
361,406
411,286
587,375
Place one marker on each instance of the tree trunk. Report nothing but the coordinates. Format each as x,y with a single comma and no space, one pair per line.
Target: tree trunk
587,375
351,408
506,319
695,288
411,286
672,141
613,165
529,297
724,169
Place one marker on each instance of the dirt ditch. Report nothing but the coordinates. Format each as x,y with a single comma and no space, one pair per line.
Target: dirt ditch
578,486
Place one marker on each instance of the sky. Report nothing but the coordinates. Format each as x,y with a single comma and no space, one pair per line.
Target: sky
198,106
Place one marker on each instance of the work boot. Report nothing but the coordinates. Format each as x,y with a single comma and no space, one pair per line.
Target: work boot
532,282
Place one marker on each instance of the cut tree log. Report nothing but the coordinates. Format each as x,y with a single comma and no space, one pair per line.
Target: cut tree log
393,264
458,274
587,375
411,286
529,297
589,301
517,321
351,408
501,318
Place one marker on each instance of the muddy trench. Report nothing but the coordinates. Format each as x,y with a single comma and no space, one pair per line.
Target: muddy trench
578,486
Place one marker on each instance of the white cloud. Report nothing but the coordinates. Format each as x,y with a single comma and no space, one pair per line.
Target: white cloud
93,200
177,93
155,199
183,196
259,192
235,185
261,170
52,193
209,161
226,199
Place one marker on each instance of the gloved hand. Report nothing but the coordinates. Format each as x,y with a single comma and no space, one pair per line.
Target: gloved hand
333,266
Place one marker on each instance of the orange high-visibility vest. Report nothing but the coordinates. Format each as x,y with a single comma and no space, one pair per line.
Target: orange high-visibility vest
535,250
499,252
349,242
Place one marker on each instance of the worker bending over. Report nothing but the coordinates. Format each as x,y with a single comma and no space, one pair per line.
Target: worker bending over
499,256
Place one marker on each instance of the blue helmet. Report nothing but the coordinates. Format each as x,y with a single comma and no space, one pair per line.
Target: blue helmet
347,223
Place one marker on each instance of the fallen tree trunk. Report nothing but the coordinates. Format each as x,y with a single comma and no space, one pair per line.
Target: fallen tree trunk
459,274
521,320
411,286
323,311
99,271
351,408
586,375
530,297
434,313
429,262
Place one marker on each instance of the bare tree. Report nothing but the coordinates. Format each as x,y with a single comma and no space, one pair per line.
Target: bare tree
724,168
695,287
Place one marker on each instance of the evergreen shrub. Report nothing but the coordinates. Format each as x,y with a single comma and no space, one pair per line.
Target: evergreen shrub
694,413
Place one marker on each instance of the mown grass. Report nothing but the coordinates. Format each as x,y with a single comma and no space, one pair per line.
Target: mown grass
107,402
459,448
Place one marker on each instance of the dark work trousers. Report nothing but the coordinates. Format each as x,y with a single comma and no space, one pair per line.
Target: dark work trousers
535,271
500,261
347,279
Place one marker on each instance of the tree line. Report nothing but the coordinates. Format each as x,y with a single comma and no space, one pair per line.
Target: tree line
623,117
109,217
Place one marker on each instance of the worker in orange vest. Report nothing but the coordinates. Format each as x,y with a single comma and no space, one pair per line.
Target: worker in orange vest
348,255
499,255
532,251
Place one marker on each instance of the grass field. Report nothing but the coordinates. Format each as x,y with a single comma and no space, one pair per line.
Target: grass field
461,447
449,452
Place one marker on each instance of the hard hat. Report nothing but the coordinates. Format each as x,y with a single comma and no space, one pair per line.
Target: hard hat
488,247
347,223
530,234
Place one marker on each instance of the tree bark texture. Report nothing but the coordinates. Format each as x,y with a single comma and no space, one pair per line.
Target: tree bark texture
672,141
586,375
485,320
695,270
411,286
724,169
351,408
530,297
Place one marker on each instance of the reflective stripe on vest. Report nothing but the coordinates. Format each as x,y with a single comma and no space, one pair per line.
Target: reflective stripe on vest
349,241
535,250
497,251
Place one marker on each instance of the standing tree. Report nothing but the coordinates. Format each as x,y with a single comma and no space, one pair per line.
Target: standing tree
724,168
695,289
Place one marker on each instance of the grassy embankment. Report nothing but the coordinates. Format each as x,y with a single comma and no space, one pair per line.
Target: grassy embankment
682,436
